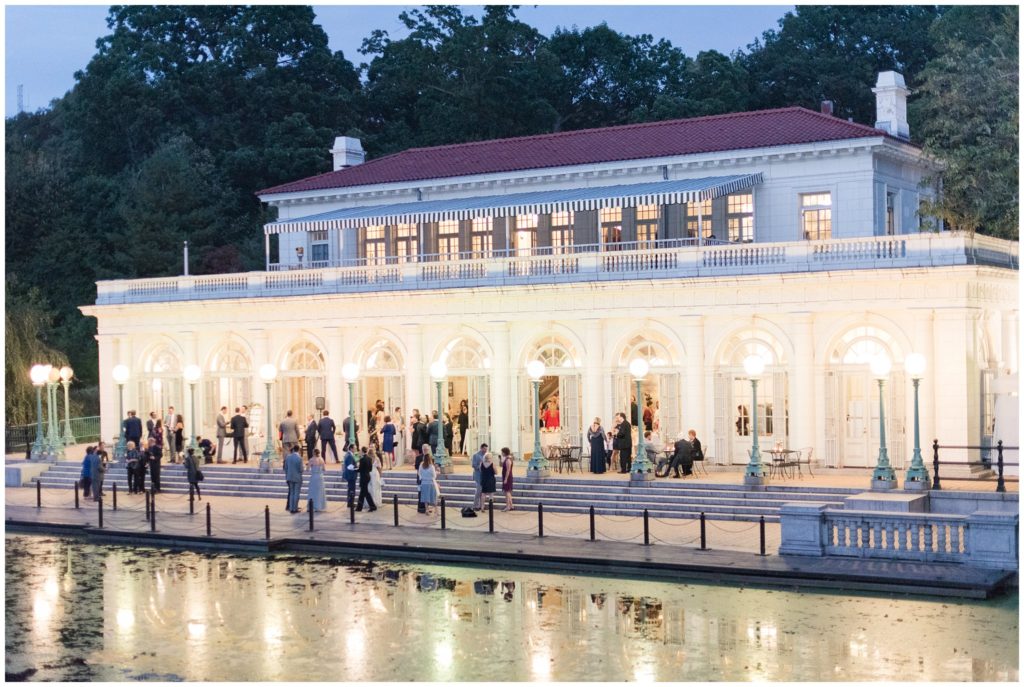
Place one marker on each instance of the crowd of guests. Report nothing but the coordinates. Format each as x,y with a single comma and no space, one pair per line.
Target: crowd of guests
615,448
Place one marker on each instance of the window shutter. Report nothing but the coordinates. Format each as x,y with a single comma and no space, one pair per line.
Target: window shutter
543,231
569,410
585,227
672,222
465,235
629,224
480,413
499,234
526,410
361,243
429,238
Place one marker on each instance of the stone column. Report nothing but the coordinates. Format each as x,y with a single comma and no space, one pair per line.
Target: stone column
190,346
415,370
693,414
592,374
335,392
108,358
503,400
803,410
261,356
956,407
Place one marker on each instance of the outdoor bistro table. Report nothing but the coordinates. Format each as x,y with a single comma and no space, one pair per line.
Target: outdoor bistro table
781,460
561,454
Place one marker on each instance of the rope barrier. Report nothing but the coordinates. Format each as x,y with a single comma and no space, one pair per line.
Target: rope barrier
622,541
724,529
674,543
613,518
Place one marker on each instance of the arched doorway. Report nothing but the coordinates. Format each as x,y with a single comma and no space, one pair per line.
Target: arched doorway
302,380
228,382
851,400
659,402
469,366
381,383
560,389
160,384
734,397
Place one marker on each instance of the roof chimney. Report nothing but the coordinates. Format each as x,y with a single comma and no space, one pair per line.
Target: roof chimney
826,107
347,152
891,104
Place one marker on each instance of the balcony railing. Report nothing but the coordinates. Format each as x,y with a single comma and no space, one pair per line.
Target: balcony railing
679,258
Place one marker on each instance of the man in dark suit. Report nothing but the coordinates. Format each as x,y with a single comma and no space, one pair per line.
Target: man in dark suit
432,433
133,428
311,439
150,424
351,433
326,429
365,468
153,456
683,456
293,477
222,432
420,436
623,443
238,426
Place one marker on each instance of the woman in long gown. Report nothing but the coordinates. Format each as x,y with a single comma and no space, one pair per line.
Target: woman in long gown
595,435
376,481
387,433
317,489
428,483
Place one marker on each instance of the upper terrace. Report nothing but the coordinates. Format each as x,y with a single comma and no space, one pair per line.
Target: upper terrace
666,259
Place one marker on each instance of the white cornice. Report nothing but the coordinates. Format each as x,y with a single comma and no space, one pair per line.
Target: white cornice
678,166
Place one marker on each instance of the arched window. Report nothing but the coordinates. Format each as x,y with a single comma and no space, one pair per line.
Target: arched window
162,361
648,348
554,352
860,345
230,358
463,353
382,356
302,357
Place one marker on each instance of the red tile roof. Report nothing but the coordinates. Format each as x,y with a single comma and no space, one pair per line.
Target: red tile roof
738,131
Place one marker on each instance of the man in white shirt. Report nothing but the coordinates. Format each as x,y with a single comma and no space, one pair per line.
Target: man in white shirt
169,423
478,494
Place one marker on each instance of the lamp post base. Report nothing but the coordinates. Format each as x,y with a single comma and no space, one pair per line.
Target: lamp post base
917,484
883,484
539,474
754,480
641,476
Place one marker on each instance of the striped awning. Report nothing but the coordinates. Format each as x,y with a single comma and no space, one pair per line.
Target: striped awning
534,202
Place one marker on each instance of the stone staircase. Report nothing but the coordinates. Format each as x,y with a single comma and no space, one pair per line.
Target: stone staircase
662,498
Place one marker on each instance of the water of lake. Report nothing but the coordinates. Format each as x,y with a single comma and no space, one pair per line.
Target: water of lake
77,611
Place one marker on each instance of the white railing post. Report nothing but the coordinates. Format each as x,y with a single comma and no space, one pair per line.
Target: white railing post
804,530
992,540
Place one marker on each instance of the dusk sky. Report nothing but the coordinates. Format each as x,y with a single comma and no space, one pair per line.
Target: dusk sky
45,45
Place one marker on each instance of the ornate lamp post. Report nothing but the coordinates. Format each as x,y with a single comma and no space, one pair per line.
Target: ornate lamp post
120,373
350,371
884,477
917,476
753,365
268,373
38,374
438,371
641,470
192,374
53,440
66,373
538,466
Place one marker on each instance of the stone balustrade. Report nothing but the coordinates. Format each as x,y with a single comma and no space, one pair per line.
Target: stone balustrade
983,539
667,259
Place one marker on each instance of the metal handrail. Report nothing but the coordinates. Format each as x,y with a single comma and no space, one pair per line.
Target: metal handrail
1000,464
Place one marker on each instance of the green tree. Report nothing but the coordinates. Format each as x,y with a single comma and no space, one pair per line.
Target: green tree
968,116
834,52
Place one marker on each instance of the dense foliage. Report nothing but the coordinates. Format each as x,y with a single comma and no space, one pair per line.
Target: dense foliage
185,111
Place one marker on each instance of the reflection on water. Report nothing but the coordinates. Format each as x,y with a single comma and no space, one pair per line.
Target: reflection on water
82,612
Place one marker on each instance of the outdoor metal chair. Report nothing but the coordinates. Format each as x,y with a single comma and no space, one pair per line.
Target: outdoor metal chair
805,458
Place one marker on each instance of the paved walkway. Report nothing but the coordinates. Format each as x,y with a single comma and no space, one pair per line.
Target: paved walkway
240,523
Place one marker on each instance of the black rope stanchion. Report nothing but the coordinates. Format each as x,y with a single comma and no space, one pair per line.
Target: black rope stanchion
647,530
152,516
191,500
99,508
1000,483
540,519
113,489
351,515
935,465
76,494
209,523
148,506
39,493
593,530
490,515
762,536
394,501
310,515
266,520
443,521
703,534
